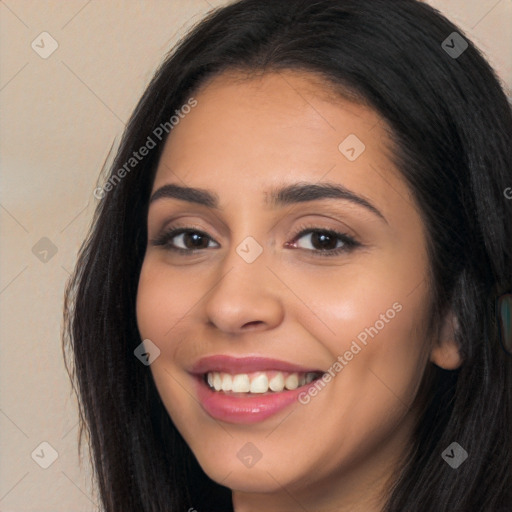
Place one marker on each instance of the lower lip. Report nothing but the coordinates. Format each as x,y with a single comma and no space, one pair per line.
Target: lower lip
244,408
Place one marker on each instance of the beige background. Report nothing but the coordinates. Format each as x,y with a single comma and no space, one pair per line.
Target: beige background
59,117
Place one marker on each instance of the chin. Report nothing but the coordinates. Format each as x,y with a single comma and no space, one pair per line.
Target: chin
247,480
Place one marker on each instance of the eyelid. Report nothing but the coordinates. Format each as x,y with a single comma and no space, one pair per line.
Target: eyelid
349,241
176,229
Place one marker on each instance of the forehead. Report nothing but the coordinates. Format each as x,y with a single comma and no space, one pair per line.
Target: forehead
253,133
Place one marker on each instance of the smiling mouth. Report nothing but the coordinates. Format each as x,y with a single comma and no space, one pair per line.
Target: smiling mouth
259,382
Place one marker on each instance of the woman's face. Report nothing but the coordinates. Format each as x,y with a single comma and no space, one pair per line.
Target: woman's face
252,302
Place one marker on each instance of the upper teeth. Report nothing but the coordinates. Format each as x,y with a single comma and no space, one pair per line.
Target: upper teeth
258,382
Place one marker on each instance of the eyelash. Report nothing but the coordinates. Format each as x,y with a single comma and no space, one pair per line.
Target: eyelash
349,243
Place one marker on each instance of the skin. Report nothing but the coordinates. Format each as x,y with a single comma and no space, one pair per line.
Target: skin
245,136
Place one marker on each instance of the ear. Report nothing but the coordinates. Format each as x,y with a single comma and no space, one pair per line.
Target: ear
445,352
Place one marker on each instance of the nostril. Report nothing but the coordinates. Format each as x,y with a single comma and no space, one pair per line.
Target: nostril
253,324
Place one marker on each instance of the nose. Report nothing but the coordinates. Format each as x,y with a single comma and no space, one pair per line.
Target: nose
246,297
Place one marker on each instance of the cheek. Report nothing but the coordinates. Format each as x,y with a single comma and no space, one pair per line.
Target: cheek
159,309
385,353
162,301
376,338
370,305
160,305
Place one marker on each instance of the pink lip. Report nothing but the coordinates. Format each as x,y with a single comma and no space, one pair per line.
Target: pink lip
229,364
240,407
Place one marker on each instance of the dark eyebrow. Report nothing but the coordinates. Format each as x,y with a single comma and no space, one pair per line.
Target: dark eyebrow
290,194
303,191
190,194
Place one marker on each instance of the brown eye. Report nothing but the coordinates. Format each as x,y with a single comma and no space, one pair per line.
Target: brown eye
183,240
321,240
325,242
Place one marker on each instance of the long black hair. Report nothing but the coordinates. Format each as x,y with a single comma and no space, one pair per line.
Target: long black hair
452,126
